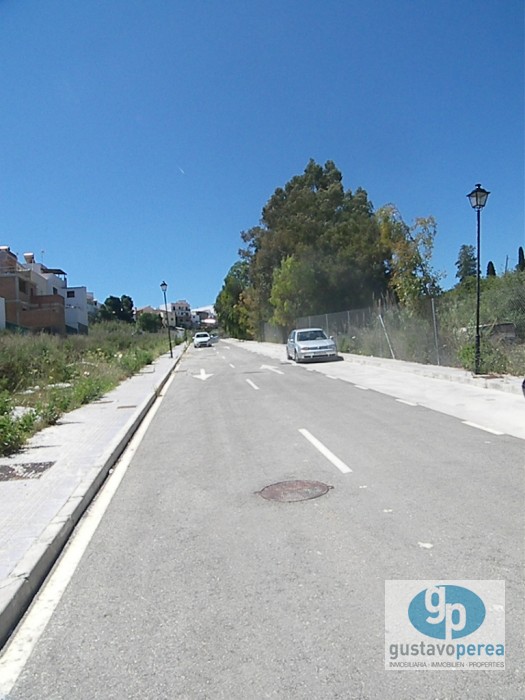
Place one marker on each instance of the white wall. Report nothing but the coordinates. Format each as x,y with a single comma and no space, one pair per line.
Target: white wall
171,316
76,303
45,282
92,304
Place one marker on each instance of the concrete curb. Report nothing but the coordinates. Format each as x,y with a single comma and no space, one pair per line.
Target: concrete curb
505,383
17,593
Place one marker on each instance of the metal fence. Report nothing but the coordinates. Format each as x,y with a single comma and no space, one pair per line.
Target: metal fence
438,334
385,332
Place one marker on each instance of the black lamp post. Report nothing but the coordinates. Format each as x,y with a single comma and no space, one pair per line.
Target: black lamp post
164,288
478,199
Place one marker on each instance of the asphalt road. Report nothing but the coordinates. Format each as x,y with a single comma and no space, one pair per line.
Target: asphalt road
195,586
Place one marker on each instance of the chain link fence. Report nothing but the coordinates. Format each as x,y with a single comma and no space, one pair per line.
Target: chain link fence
441,332
385,332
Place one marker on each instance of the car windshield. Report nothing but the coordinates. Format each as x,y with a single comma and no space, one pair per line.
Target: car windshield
311,335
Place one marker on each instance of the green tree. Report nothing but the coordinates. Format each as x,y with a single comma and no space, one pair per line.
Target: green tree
149,322
229,305
117,309
521,260
319,248
293,282
127,313
313,219
411,276
491,270
466,263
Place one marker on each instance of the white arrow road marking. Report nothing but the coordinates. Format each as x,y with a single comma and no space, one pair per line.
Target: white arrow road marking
272,369
202,375
254,386
325,451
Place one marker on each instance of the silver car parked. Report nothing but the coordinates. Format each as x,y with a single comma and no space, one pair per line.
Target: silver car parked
310,344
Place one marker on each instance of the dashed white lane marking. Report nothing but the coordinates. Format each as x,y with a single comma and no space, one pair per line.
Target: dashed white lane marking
425,545
407,403
232,366
482,427
325,451
22,643
254,386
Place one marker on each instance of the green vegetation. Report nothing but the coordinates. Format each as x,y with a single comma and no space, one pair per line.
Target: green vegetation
149,322
321,248
44,376
117,309
502,301
230,305
320,253
466,263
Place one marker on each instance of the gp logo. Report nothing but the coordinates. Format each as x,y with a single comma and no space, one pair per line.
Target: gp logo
446,612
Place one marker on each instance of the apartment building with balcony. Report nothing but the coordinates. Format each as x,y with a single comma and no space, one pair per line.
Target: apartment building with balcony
182,312
37,297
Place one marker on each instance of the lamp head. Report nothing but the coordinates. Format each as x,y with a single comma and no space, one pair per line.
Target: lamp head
164,287
478,197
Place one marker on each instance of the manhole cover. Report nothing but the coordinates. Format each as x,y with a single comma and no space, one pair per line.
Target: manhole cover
288,491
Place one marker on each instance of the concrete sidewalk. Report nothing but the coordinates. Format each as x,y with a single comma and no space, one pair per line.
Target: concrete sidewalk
45,488
505,382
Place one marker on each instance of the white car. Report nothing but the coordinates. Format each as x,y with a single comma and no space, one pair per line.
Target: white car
202,340
310,344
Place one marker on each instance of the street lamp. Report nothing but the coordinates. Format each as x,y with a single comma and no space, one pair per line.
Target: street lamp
164,288
478,199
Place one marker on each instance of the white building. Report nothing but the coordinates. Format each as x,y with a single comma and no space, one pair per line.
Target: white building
182,313
77,316
92,305
54,281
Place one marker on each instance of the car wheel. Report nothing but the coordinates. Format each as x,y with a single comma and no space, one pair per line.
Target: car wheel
296,359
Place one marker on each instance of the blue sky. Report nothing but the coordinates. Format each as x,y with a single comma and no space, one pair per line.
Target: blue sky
138,138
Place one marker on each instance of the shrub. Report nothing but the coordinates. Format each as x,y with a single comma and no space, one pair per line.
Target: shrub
53,375
14,430
131,362
492,358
